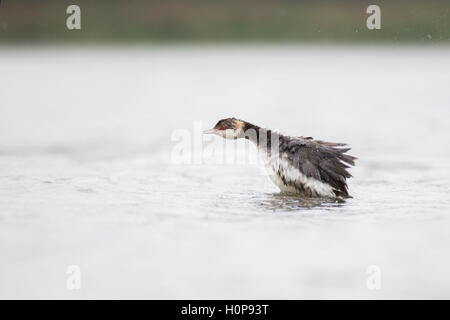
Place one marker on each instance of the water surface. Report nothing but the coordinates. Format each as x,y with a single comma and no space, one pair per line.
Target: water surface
87,175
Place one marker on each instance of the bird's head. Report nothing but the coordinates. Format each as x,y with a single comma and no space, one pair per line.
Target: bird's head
230,128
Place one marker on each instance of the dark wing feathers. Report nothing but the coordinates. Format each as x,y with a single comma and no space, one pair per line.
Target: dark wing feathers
309,169
321,160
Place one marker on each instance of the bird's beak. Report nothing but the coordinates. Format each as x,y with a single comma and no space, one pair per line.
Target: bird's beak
210,131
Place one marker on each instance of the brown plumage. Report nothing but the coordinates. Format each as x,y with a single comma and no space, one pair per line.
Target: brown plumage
324,161
310,167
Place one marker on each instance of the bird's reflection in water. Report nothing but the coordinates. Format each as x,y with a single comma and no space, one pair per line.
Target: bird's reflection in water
294,202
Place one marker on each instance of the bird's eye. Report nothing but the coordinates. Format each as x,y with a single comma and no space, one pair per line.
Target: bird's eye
222,128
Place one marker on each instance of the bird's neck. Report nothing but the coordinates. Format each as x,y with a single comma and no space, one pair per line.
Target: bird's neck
263,138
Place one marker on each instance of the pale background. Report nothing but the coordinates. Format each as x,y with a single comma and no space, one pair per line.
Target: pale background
86,176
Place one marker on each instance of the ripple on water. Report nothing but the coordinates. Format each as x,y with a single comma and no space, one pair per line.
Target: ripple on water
290,202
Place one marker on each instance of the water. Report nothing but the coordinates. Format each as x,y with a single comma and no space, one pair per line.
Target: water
87,173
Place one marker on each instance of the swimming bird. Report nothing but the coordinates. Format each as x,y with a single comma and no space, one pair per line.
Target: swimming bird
301,165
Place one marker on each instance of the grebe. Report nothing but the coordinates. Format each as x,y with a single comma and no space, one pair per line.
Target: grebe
302,165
